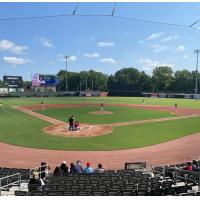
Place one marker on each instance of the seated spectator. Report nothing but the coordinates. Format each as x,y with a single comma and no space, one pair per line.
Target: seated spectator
88,169
72,168
195,166
78,167
188,167
64,168
99,169
57,171
76,126
35,184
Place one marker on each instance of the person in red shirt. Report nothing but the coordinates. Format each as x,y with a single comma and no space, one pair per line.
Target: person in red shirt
77,125
188,167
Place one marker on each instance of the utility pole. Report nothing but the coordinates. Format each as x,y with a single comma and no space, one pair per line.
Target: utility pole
197,51
66,87
86,85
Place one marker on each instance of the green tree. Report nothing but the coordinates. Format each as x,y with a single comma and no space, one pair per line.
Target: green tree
162,79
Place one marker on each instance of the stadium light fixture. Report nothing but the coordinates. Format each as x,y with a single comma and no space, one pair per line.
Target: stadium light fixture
197,51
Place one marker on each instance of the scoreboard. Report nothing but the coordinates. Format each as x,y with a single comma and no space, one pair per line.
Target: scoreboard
13,81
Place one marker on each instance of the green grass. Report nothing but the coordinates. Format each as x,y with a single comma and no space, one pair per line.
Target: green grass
120,114
188,103
23,130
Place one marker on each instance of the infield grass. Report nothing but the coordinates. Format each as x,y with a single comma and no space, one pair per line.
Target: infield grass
120,114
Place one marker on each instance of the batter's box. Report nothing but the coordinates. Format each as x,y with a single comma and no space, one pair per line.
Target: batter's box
86,127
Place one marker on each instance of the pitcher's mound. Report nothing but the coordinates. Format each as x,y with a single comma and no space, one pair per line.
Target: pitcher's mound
101,112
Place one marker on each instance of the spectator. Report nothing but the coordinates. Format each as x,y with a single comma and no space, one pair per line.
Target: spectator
195,166
78,167
72,168
43,170
57,171
64,168
35,184
88,169
99,169
188,167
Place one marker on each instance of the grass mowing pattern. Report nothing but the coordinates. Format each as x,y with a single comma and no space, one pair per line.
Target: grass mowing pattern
23,130
120,114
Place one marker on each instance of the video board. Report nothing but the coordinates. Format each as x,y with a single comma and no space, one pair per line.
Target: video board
44,80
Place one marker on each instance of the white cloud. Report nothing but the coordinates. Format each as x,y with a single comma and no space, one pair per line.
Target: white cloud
148,64
45,42
180,48
16,61
141,41
108,60
160,48
6,45
91,55
154,36
185,56
72,58
105,44
169,38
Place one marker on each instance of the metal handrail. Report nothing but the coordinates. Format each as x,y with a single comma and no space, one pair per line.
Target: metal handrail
7,177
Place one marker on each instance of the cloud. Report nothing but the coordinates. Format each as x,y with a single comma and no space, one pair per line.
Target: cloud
141,41
180,48
105,44
16,61
6,45
159,48
91,55
154,36
185,56
72,58
169,38
148,64
45,42
108,60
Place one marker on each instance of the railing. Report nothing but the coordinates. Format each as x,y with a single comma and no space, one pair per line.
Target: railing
9,182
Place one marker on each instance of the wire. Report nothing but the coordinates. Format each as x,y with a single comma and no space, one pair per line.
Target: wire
35,17
101,15
195,23
114,9
74,12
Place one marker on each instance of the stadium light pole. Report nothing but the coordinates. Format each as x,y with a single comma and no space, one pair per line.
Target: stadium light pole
66,86
197,51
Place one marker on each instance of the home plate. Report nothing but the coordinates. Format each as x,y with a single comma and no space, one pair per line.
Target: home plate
86,128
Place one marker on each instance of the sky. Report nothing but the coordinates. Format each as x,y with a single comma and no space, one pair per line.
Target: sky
101,43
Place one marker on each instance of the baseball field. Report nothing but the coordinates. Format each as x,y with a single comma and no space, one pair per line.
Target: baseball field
127,129
22,129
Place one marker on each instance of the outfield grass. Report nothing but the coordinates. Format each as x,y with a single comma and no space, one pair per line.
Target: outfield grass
187,103
23,130
120,114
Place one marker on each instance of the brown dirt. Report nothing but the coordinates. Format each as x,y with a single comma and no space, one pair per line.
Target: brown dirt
101,112
172,152
86,130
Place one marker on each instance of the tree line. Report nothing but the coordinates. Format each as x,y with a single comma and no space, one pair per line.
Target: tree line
163,79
